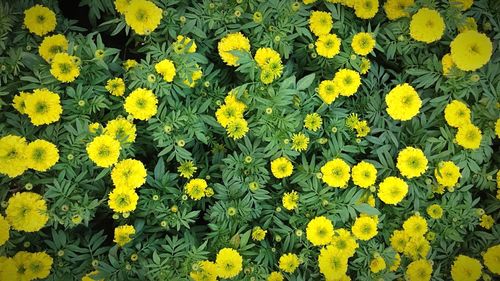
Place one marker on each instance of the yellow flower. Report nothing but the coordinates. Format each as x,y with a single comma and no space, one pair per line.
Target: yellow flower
104,151
319,231
415,226
195,76
52,45
457,114
258,234
336,173
331,263
365,9
392,190
121,6
4,231
281,167
40,20
207,271
128,173
13,155
116,86
37,265
312,121
465,268
166,68
229,263
232,42
419,270
362,129
121,129
411,162
492,259
403,102
8,269
377,264
468,136
347,81
365,228
289,262
182,43
363,43
275,276
41,155
328,45
195,188
19,102
328,91
396,9
123,233
435,211
447,62
263,56
487,221
364,174
129,64
143,16
352,120
320,23
290,200
364,66
187,169
141,103
427,25
64,67
237,128
228,112
299,142
43,107
462,4
395,263
447,173
417,247
344,242
471,50
399,239
123,200
26,211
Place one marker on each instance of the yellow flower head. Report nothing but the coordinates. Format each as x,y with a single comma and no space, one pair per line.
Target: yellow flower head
143,16
377,264
344,242
129,64
275,276
290,200
320,23
403,102
468,24
207,271
19,102
123,233
116,86
471,50
328,91
231,42
258,234
52,45
4,231
457,114
229,263
363,43
129,173
64,67
37,265
411,162
228,112
417,247
399,239
364,174
27,211
466,268
365,9
281,167
187,169
40,20
121,129
347,81
104,151
447,173
365,228
141,103
415,226
41,155
13,160
237,128
166,68
427,25
336,173
469,136
332,263
448,64
195,188
396,9
392,190
419,270
123,200
487,221
362,129
289,262
364,66
319,231
313,121
328,45
492,259
299,142
435,211
43,107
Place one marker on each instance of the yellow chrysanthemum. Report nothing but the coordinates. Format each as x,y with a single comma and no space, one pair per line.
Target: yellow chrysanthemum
363,43
362,129
418,247
195,188
336,173
263,56
457,114
37,265
319,231
281,167
104,151
13,155
447,63
415,226
399,239
290,200
232,42
344,242
52,45
427,25
26,211
166,68
229,263
364,174
207,271
121,129
447,173
465,268
123,233
228,112
331,263
396,262
377,264
487,221
19,102
419,270
258,234
275,276
43,107
299,142
129,64
289,262
40,20
403,102
187,169
492,259
364,66
143,16
41,155
237,128
392,190
123,200
116,87
468,136
327,91
328,45
471,50
129,173
365,228
435,211
462,4
395,9
320,23
347,81
411,162
141,104
365,9
313,121
8,269
4,230
64,67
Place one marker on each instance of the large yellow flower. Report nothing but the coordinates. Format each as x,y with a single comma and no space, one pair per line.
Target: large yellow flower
143,16
229,263
471,50
415,226
313,121
233,42
396,9
195,188
411,162
121,129
392,190
364,174
419,270
52,45
104,151
129,173
403,102
289,262
141,104
229,111
64,67
123,233
166,68
365,228
427,25
363,43
43,107
365,9
38,265
447,173
336,173
26,211
465,268
319,231
399,239
328,45
344,242
40,20
492,259
332,263
327,91
320,23
123,200
457,114
469,136
347,81
13,155
237,128
41,155
281,167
